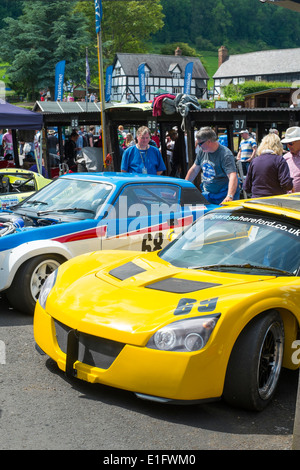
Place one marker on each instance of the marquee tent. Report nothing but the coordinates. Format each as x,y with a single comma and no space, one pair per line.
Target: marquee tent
13,117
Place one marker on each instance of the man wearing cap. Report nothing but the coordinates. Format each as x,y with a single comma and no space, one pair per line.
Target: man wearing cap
216,162
247,150
292,140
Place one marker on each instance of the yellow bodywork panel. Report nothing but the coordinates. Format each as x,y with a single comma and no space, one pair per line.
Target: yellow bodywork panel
129,312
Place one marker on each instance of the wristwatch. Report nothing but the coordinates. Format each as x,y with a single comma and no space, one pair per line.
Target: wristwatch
230,195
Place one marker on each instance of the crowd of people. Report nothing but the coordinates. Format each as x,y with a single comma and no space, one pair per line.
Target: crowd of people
26,150
268,169
74,144
45,95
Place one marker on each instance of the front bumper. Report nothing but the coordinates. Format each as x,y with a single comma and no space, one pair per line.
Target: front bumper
144,371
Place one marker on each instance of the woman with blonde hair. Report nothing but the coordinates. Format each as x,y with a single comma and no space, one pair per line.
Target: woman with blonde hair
268,173
129,141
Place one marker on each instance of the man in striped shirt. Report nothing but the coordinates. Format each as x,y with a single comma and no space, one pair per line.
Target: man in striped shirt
247,150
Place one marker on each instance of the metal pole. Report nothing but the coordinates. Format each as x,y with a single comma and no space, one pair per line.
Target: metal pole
102,96
86,84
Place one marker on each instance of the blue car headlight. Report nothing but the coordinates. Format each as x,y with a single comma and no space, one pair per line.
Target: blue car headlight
186,335
46,288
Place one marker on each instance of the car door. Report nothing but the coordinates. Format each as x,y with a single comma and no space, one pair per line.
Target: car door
142,216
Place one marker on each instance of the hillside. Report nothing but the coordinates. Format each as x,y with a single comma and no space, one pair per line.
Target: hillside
240,25
201,25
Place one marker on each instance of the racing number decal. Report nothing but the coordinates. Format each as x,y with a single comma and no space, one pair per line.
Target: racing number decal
151,243
208,305
185,306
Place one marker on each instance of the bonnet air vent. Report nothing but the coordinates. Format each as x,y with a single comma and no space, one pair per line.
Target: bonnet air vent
180,286
127,270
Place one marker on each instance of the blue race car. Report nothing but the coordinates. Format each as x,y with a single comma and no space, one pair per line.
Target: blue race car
83,212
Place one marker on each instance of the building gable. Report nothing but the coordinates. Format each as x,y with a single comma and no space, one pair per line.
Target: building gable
261,63
281,65
162,72
159,64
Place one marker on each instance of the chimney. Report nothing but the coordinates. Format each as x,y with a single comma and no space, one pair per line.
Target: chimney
178,51
223,55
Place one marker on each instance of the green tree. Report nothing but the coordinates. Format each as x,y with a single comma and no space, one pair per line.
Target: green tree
169,49
238,92
241,25
44,34
10,9
126,26
220,27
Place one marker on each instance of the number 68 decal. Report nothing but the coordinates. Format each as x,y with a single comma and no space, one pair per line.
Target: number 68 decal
152,243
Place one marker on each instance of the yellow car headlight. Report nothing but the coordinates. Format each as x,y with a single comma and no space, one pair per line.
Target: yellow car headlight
46,288
187,335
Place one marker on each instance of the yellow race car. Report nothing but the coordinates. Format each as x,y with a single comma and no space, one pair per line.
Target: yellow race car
214,314
16,184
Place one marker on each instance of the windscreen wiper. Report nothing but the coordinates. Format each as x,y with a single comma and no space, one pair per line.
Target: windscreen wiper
37,202
73,209
243,266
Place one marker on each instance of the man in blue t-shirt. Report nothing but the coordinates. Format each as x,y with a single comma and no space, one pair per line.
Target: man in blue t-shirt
216,162
142,157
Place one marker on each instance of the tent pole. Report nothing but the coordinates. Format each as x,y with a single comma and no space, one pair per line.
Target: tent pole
15,148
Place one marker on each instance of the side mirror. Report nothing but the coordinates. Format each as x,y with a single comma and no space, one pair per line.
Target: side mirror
171,235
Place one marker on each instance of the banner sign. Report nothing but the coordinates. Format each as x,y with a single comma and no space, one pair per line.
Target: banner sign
108,83
188,78
98,15
59,80
142,84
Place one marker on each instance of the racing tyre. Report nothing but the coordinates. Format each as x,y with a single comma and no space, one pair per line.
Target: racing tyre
25,288
255,363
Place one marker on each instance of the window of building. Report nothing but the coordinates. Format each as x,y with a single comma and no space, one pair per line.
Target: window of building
176,75
176,89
